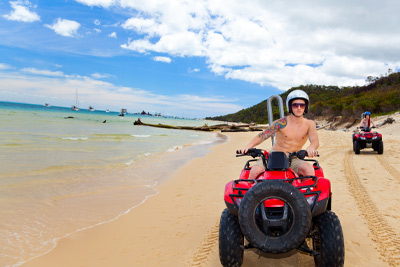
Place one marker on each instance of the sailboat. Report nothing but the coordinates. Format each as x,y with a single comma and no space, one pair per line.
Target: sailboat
76,106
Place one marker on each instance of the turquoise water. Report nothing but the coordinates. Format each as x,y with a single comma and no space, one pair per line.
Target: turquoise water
63,170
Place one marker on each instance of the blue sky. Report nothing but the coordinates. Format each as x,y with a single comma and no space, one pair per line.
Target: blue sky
192,58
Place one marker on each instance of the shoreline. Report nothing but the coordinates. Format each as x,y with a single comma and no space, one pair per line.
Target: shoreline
155,169
174,185
179,226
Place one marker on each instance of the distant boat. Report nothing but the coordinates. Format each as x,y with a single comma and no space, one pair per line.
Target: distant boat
123,112
76,106
91,108
107,110
47,105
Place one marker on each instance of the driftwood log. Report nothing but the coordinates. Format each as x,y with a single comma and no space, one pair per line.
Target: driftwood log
324,126
388,120
222,127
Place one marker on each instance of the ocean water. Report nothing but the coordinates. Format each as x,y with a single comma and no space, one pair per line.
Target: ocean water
62,171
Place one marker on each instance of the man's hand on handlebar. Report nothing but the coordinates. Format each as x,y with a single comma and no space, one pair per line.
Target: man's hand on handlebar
312,152
242,151
301,154
254,152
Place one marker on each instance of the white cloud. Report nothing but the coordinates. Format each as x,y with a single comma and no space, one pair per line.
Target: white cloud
162,59
100,76
278,43
4,66
65,27
177,44
142,26
102,3
269,42
97,30
21,12
43,72
193,70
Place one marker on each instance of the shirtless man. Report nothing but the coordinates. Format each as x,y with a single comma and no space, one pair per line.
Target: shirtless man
292,133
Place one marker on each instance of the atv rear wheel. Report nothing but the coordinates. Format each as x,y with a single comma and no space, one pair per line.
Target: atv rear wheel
274,230
380,147
328,240
356,147
230,240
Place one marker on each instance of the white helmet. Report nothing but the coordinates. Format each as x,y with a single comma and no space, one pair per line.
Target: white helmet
297,94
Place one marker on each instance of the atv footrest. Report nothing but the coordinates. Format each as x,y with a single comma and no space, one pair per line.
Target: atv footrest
305,248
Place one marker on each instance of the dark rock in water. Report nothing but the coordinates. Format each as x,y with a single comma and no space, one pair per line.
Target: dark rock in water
69,117
138,122
104,121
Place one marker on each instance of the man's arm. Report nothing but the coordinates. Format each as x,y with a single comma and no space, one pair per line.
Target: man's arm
271,130
314,141
267,133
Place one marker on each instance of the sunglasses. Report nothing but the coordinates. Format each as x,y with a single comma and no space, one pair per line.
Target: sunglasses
298,105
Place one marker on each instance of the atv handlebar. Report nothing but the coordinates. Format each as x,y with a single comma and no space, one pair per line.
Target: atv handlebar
366,128
301,154
254,152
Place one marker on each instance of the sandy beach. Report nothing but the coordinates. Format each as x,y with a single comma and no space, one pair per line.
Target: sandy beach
179,226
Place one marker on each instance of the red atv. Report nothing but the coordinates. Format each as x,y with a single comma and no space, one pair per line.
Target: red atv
278,212
365,138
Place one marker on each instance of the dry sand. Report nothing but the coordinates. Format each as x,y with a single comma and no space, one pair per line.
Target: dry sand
179,226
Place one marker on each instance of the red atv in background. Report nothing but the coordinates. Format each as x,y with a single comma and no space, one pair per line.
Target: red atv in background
365,138
278,212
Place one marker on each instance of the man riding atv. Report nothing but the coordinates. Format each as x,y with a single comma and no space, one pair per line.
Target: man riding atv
281,202
291,134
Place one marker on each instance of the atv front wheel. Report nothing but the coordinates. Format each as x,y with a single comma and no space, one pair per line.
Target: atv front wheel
230,240
380,147
327,238
274,228
356,147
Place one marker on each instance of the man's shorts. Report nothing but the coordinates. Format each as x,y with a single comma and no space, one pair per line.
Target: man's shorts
295,164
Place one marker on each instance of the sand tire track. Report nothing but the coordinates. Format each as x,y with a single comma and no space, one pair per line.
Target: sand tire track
388,242
395,173
304,259
205,247
327,154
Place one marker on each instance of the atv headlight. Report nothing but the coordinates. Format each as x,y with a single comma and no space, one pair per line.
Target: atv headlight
373,138
311,199
362,137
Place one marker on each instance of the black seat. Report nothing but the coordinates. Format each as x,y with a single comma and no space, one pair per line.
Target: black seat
277,161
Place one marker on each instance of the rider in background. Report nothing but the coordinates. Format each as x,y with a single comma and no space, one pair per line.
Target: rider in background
292,132
366,121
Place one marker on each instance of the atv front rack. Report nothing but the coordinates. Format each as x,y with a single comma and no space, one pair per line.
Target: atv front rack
309,188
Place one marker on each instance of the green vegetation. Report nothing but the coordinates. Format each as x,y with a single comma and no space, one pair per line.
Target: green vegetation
381,95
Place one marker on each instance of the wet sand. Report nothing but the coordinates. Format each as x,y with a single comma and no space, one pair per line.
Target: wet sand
179,226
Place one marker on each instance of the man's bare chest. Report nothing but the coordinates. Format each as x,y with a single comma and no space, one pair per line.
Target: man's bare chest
293,133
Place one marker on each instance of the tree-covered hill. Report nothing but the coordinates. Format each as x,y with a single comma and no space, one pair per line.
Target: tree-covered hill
380,95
